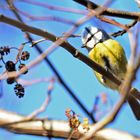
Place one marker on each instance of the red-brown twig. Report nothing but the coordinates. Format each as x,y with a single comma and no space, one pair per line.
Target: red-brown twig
108,11
113,22
121,32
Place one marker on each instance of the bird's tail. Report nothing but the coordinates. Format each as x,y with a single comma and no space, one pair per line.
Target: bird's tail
134,102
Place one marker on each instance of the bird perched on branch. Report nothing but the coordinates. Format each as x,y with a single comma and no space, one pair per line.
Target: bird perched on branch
108,53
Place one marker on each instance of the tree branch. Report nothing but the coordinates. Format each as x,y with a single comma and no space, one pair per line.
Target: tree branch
53,128
109,11
121,32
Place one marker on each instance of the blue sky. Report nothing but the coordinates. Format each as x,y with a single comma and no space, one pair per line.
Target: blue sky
77,75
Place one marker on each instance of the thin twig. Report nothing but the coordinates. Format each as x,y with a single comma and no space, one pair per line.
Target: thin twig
46,102
41,109
121,32
19,52
37,41
43,18
113,22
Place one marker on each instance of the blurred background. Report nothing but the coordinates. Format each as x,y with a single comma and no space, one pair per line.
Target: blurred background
78,76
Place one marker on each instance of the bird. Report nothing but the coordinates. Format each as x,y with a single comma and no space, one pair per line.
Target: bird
108,53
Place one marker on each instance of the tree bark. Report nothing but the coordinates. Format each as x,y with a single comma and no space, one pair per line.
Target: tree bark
53,128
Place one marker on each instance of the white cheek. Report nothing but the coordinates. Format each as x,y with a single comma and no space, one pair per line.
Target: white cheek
93,30
84,40
96,39
98,36
91,43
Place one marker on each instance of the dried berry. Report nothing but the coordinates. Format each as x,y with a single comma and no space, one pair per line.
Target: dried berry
10,66
74,122
23,66
73,119
25,55
10,80
19,90
1,51
4,50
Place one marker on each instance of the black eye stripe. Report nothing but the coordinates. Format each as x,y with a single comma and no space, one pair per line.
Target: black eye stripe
89,39
87,29
92,35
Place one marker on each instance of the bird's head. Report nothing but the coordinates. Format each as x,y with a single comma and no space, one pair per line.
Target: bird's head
92,35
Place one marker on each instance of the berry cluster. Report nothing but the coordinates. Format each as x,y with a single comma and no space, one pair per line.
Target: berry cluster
19,90
4,50
10,66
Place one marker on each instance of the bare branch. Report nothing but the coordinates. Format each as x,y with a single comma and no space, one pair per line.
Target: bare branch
53,128
46,102
41,109
113,22
121,32
110,12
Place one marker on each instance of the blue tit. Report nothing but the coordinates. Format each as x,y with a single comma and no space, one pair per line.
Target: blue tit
108,53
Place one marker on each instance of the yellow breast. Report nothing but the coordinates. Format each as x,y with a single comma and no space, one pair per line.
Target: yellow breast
111,55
